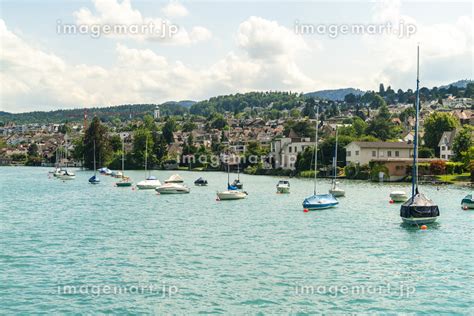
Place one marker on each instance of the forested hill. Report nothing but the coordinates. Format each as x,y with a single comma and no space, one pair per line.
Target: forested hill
123,112
334,95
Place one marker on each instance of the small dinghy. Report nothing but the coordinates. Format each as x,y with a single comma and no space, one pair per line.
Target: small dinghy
467,202
176,178
67,175
200,182
283,186
94,180
172,188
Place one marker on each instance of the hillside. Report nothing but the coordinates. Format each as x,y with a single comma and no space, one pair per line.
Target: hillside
458,84
335,94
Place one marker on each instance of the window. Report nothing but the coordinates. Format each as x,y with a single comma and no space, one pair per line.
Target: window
443,147
397,153
357,153
389,153
348,154
289,149
296,149
374,153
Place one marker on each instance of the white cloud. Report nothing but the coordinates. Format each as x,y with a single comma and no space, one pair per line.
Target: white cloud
174,10
113,13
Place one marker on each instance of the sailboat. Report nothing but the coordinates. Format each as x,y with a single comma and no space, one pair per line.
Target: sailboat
318,201
335,190
151,182
239,185
232,192
94,179
125,182
468,202
418,209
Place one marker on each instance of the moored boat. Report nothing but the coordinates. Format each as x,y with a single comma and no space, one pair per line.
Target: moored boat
67,175
149,183
283,186
126,181
468,202
200,182
398,196
318,201
231,195
175,178
418,209
94,179
335,190
172,188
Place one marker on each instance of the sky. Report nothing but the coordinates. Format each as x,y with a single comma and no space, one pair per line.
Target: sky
200,49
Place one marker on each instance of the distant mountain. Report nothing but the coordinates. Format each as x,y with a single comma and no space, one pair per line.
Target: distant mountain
458,84
335,94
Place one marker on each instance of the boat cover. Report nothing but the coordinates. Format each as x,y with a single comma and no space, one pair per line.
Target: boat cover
468,199
231,187
151,178
419,206
320,201
94,179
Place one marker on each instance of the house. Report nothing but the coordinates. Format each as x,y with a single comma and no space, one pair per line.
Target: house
364,152
446,145
284,151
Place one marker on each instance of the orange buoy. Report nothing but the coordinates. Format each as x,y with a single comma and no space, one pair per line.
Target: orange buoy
424,227
306,210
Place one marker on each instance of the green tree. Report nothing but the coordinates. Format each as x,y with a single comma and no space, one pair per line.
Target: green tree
435,125
96,132
301,128
359,126
143,140
381,126
168,129
469,93
377,102
462,142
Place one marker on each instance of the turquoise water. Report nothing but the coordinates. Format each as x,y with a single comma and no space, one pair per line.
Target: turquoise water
262,254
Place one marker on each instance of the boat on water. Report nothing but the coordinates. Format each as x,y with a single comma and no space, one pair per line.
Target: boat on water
125,181
105,171
283,186
94,179
335,189
117,174
418,209
150,182
232,192
67,175
58,172
318,201
172,188
398,196
200,182
468,202
237,183
175,178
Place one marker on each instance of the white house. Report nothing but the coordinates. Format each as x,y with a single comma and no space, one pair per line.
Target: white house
364,152
446,145
284,151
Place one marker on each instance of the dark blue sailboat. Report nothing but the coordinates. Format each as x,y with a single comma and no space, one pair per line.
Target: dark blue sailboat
418,209
94,179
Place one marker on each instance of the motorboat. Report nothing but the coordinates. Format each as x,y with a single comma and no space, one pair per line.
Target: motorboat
176,178
150,183
283,186
318,201
468,202
398,196
58,172
117,174
418,209
172,188
200,182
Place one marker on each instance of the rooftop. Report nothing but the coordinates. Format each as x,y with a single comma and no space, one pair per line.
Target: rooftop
383,144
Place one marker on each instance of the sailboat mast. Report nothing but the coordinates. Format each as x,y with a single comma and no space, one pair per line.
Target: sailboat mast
95,169
316,150
335,159
414,180
146,155
123,155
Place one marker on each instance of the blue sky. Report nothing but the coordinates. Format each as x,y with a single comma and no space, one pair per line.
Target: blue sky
221,47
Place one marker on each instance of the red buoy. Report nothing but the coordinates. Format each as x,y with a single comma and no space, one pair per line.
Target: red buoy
391,201
306,210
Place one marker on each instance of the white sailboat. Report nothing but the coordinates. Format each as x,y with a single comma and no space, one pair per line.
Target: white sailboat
151,182
418,209
126,181
318,201
172,188
232,192
175,178
335,189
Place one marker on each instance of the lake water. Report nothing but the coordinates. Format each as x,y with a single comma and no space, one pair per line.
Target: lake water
130,251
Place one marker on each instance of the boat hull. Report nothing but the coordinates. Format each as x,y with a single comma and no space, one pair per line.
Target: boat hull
124,184
283,190
320,202
419,220
398,197
469,205
337,192
231,195
148,184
